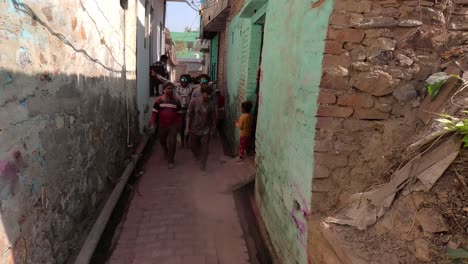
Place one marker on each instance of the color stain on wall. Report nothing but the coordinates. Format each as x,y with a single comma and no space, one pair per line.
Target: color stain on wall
47,11
5,78
42,59
74,22
33,185
83,32
26,35
23,102
14,6
23,57
9,170
6,35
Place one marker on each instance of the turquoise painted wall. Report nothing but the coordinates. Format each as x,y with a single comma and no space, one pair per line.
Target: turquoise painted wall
214,57
292,65
243,56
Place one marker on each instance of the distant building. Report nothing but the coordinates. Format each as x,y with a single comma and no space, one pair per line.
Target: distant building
187,50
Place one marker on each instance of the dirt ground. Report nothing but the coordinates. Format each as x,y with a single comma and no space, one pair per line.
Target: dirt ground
418,228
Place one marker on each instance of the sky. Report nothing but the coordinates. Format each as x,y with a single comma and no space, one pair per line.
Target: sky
180,15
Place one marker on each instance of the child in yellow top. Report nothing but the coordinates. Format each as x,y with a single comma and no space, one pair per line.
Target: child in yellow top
245,126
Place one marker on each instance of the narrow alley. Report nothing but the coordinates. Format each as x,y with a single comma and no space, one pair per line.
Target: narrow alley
183,215
344,127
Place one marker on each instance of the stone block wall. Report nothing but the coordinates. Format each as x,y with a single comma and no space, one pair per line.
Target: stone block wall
377,57
67,111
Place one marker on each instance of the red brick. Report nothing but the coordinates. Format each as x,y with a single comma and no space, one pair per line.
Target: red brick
361,125
333,47
452,70
343,60
321,185
359,100
339,20
363,6
334,83
331,160
326,98
323,145
370,114
335,111
346,35
321,172
329,123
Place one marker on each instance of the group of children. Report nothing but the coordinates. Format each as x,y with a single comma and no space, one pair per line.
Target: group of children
196,112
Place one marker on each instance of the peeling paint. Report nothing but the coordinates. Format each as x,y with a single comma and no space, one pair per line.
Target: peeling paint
23,102
33,185
26,35
317,4
6,35
22,179
11,7
5,78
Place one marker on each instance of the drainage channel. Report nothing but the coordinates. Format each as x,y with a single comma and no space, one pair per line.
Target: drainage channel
257,248
113,228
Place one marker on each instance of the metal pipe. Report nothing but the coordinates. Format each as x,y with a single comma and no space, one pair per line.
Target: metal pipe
95,234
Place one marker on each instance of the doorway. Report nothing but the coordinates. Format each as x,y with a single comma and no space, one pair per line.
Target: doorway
260,22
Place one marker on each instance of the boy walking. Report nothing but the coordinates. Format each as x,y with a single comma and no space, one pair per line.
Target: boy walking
167,107
245,126
184,92
201,121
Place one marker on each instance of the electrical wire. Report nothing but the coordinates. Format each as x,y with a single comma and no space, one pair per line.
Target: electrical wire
194,5
191,6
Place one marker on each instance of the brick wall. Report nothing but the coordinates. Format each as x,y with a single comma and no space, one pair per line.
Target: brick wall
224,45
236,7
378,55
67,106
222,60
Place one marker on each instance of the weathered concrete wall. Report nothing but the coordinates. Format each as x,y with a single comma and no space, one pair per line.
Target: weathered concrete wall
223,73
67,107
143,59
157,30
294,43
378,55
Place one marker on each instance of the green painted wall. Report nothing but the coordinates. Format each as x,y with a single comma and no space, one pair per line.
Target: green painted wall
292,64
214,57
243,56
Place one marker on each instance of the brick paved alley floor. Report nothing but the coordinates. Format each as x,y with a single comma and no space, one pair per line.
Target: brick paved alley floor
182,215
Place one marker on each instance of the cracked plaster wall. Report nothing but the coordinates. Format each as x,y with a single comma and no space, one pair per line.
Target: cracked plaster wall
67,105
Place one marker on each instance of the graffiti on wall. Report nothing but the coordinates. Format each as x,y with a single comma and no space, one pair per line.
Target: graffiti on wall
299,214
9,174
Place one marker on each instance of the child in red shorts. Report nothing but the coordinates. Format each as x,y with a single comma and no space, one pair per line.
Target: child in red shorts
245,126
